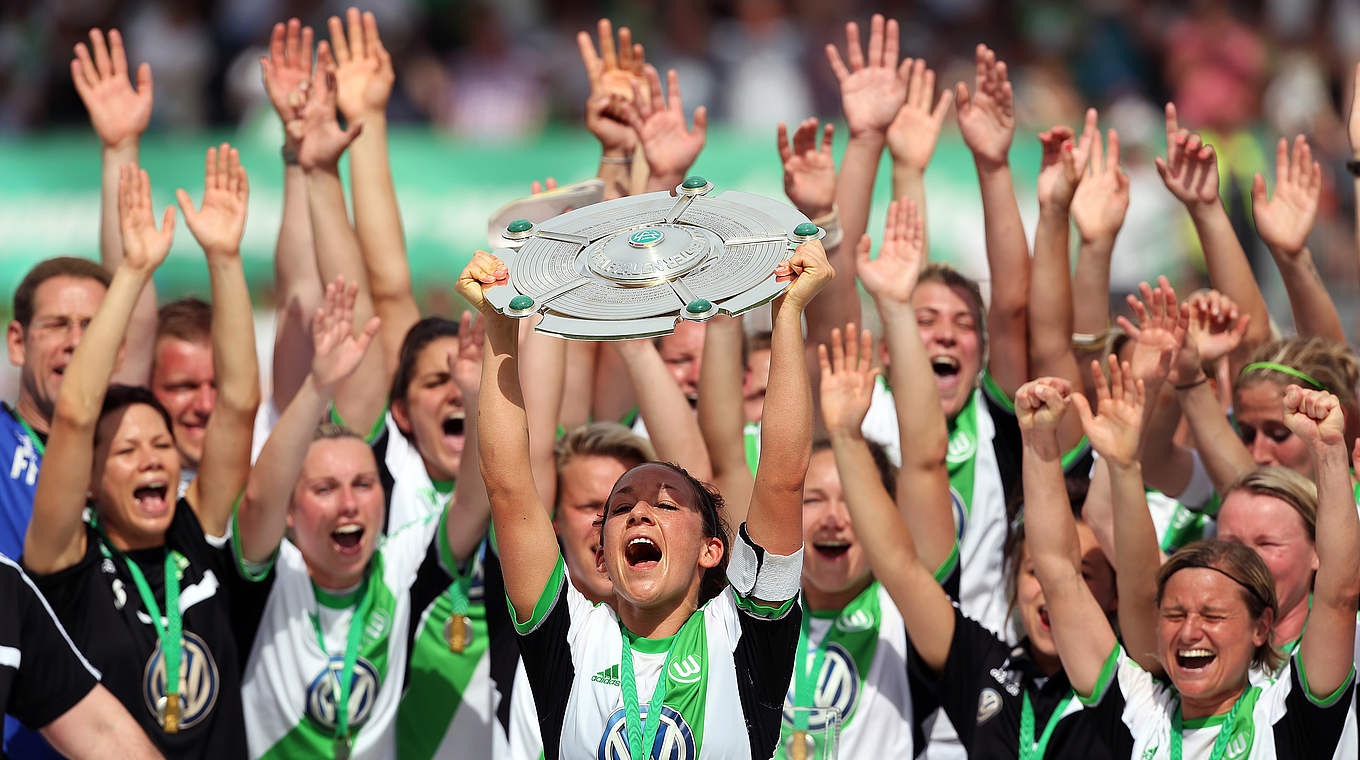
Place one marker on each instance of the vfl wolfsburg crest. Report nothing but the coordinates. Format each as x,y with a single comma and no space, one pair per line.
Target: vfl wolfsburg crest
962,445
688,670
363,693
198,685
838,685
674,739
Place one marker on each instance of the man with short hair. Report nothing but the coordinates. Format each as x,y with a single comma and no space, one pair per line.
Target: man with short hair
182,377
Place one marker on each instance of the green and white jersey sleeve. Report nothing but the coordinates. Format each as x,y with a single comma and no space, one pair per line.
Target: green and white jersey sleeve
1278,719
291,679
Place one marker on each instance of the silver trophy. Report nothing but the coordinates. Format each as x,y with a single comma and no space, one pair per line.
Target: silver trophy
633,267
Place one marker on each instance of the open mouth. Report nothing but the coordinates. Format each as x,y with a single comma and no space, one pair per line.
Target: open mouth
453,424
641,553
945,367
831,549
1194,659
348,537
1043,619
151,497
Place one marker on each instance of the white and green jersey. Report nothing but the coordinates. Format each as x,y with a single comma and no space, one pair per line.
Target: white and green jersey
1278,719
729,666
1177,524
863,675
292,676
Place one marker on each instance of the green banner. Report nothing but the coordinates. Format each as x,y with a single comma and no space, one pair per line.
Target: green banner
446,187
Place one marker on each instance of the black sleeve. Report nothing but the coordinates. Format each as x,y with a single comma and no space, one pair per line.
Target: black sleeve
501,631
41,673
379,446
1007,445
956,688
1308,727
548,664
764,663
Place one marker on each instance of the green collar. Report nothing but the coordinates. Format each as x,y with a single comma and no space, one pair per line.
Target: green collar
646,645
338,601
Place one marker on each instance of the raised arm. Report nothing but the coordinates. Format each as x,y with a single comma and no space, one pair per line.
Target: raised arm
1283,222
611,76
1098,208
1114,429
846,389
987,121
218,225
544,358
363,83
287,75
923,482
667,140
1329,639
774,520
56,535
1227,459
120,115
670,421
720,412
262,517
914,131
469,511
1080,630
360,400
1190,171
524,531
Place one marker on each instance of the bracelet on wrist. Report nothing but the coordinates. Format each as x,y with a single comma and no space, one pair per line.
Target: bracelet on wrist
1193,383
616,159
1091,341
290,155
825,221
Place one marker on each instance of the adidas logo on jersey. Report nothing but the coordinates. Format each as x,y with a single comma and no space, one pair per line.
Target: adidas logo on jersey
609,676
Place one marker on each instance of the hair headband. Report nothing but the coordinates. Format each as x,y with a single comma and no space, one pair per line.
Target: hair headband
1277,367
1236,580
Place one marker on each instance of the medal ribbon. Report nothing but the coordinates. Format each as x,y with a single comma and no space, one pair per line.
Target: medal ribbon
170,633
40,448
357,623
804,680
643,734
1225,731
1029,749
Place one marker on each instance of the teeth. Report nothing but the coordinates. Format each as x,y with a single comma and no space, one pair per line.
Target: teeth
347,529
640,540
455,416
945,361
834,544
1195,653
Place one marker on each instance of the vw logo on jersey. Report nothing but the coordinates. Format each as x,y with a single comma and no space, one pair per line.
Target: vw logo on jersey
645,238
687,670
989,704
859,620
838,686
198,684
962,446
322,692
674,739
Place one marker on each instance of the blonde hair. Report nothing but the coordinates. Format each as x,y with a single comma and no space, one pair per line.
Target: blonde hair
1245,567
1286,485
1327,364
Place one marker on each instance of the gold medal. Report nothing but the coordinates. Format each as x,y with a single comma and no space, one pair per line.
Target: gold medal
456,632
169,710
342,748
802,746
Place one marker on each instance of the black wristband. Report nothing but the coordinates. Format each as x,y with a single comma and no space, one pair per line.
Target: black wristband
1187,386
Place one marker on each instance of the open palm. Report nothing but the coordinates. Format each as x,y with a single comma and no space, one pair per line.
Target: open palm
219,223
893,275
871,91
336,350
1116,424
117,111
848,374
1285,220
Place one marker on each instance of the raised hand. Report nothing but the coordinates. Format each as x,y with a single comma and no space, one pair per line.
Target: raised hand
987,115
336,350
287,73
118,112
1190,169
668,142
537,187
363,72
1161,329
1314,416
612,73
321,138
1102,198
916,127
872,91
847,379
1216,326
809,272
809,170
483,272
1285,220
892,276
465,365
1039,406
1063,161
1116,425
219,223
144,246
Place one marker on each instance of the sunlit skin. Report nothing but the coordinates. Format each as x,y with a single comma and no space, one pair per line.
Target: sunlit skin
653,502
62,308
683,353
583,487
1204,610
183,380
753,384
1258,408
432,412
1033,608
952,338
1277,533
338,487
832,576
134,456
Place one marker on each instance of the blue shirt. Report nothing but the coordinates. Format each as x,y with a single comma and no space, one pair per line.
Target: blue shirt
21,452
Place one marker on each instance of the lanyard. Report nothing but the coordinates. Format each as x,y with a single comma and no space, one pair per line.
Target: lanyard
170,632
32,435
458,631
357,623
643,733
1029,749
804,680
1224,732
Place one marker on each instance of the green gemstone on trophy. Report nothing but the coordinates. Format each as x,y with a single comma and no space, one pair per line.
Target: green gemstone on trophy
806,229
698,306
694,183
519,225
521,303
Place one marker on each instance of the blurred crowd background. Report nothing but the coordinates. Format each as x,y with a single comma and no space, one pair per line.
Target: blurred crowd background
495,90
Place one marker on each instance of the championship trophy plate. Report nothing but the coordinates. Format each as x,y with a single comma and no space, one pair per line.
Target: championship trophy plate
634,267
